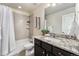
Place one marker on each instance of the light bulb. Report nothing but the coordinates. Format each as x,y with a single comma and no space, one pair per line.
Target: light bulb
48,5
54,4
19,7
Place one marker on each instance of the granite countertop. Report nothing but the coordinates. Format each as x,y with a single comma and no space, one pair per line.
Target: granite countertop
63,43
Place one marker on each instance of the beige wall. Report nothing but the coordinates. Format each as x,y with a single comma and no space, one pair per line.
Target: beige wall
20,22
55,19
21,26
39,12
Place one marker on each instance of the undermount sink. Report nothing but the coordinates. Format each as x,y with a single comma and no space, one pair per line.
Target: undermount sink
52,40
48,39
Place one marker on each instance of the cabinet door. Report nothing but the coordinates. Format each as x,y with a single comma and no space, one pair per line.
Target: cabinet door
46,46
60,52
49,54
57,51
38,42
39,51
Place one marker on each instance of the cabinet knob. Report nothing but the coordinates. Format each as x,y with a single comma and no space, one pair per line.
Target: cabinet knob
43,52
71,54
60,54
46,54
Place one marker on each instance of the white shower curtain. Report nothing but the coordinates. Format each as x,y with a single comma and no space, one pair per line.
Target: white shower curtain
7,30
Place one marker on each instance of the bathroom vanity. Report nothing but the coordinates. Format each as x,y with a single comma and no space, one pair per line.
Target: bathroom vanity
61,23
50,47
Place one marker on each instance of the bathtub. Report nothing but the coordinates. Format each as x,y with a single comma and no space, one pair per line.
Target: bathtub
20,49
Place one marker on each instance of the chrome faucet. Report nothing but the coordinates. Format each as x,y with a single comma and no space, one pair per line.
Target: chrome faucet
75,37
52,35
66,36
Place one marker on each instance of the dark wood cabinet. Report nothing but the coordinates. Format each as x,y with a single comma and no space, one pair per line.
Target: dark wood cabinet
60,52
38,42
49,53
44,49
46,46
39,51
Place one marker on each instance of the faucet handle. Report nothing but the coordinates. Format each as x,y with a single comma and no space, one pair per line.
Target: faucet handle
75,37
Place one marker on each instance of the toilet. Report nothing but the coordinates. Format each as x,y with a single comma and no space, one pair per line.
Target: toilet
29,49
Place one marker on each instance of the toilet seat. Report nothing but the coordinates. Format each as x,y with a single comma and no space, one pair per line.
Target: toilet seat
29,47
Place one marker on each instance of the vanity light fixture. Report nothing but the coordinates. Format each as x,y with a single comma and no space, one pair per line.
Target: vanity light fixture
19,7
53,4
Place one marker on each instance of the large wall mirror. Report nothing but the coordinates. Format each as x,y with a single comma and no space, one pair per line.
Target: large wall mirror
60,18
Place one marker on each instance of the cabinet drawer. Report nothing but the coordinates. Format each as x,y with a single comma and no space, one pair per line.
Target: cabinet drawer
60,52
49,54
66,53
46,46
38,42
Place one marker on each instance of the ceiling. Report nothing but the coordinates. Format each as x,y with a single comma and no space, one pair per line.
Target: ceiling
58,7
28,7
